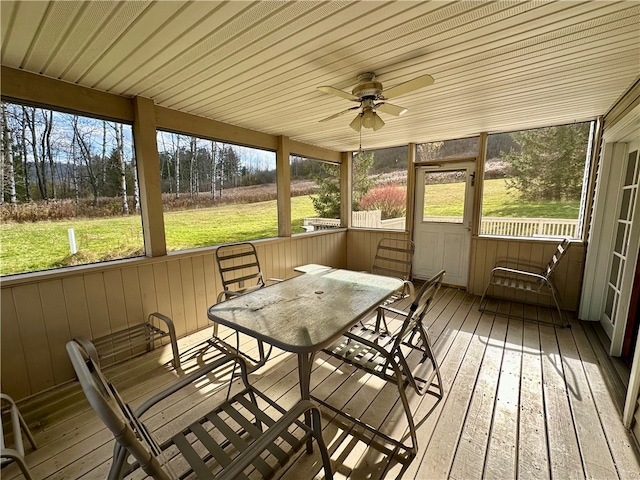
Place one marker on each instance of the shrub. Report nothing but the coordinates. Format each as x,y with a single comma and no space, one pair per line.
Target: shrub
390,199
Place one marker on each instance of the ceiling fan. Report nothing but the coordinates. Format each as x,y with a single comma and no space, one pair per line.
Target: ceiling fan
373,98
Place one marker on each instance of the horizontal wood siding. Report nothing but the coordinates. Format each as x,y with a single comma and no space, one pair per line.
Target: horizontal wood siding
39,316
485,252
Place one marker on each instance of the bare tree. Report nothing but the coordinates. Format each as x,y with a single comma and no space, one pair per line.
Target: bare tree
121,165
214,151
165,158
176,149
90,162
45,141
136,185
25,157
75,174
192,166
7,157
38,162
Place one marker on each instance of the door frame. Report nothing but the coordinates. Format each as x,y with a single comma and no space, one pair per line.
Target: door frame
470,165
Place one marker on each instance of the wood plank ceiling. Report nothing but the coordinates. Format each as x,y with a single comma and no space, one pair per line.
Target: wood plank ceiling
498,66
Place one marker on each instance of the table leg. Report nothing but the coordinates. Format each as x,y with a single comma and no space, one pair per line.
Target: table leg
304,377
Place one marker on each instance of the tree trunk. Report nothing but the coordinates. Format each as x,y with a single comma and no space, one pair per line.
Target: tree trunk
74,170
213,169
48,122
192,169
30,115
104,151
122,167
7,158
177,156
136,185
166,160
25,160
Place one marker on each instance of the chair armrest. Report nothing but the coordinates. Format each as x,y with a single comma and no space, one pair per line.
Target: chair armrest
189,379
514,271
517,265
392,310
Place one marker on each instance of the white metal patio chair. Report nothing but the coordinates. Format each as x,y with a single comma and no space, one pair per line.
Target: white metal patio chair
384,351
18,426
240,273
393,258
236,438
530,279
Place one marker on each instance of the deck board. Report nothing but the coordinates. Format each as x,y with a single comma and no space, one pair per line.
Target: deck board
521,400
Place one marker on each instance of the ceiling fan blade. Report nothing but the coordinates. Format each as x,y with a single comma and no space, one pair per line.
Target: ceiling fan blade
391,109
378,123
339,114
406,87
339,93
356,123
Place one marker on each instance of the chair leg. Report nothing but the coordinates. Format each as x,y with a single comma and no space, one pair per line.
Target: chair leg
324,454
405,404
484,294
554,294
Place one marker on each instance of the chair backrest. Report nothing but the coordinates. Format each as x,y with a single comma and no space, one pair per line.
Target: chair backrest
561,249
114,413
419,307
393,258
239,267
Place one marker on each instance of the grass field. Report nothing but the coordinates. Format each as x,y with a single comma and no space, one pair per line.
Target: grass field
27,247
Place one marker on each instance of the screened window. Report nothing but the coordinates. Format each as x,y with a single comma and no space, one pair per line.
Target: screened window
315,194
69,191
214,192
534,182
380,188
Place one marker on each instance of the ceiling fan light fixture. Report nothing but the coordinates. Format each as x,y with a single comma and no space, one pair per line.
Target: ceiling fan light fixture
378,122
356,123
368,118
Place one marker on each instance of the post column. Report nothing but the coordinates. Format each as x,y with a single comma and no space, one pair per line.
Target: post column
148,161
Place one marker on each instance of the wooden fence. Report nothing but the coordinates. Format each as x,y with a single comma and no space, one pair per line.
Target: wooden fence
529,227
511,227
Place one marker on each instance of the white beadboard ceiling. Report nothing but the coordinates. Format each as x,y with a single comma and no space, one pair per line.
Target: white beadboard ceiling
498,66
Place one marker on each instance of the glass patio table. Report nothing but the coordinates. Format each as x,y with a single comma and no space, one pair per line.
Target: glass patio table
306,313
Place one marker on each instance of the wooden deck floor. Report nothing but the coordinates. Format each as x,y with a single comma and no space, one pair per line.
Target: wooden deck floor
521,400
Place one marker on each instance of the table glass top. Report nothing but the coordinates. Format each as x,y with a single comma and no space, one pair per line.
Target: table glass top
305,313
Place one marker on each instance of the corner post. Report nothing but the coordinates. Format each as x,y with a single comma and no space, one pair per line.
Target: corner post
283,172
148,161
346,185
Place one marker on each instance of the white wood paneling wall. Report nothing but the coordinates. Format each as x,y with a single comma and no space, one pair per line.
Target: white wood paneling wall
44,311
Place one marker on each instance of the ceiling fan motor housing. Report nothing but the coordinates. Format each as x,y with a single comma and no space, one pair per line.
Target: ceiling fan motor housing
367,86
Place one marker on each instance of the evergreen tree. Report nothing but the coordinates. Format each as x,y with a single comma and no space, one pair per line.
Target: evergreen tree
327,201
550,162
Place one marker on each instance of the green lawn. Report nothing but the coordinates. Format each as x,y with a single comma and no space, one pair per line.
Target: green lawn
27,247
497,202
